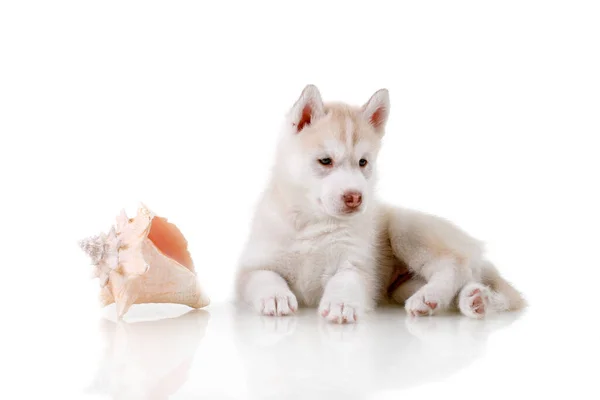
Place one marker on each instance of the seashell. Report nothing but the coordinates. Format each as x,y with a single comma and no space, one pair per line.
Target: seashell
144,260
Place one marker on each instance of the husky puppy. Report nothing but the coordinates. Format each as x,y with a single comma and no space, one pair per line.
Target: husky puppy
321,238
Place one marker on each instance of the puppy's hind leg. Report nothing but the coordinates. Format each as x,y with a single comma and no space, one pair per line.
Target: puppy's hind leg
475,300
407,289
437,251
445,277
494,294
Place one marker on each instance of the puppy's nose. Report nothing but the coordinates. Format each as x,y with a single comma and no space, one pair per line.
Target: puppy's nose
352,199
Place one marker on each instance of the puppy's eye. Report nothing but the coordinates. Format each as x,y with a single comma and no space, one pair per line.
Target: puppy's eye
326,161
362,162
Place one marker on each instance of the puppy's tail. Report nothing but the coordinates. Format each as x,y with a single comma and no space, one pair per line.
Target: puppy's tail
507,297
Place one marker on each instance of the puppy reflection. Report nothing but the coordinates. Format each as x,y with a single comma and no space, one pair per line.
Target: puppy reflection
149,360
301,357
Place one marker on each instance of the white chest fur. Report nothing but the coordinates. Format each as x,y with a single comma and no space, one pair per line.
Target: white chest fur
314,253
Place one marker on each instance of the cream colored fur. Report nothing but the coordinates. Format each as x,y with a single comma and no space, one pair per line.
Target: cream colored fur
309,246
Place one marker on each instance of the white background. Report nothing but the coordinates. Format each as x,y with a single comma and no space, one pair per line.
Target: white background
494,124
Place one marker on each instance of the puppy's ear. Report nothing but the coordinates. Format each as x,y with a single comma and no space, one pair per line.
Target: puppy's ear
307,109
377,110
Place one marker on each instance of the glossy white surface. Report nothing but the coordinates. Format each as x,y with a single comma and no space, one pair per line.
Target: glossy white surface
297,357
223,352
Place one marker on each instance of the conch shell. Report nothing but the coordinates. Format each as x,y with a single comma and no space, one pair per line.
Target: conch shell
144,260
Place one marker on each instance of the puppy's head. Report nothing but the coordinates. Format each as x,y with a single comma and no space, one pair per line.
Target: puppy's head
329,151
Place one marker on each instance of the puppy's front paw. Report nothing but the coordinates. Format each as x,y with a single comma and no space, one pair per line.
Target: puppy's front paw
279,304
424,302
339,311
